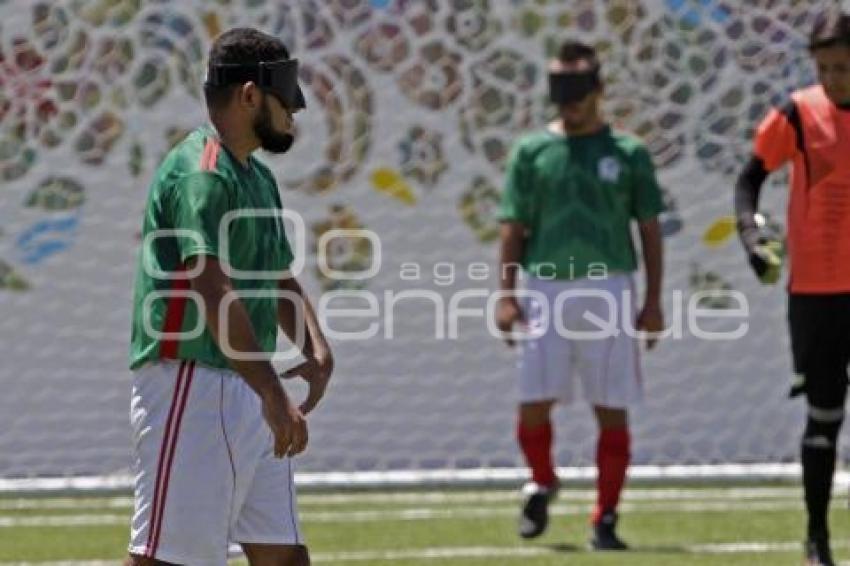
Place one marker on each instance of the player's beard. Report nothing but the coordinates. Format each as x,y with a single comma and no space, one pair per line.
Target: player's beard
839,99
270,139
580,116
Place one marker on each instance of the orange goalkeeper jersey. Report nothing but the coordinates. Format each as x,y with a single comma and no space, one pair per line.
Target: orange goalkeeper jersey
814,134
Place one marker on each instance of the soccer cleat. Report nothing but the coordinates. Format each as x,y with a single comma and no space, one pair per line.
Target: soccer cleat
605,534
534,516
818,552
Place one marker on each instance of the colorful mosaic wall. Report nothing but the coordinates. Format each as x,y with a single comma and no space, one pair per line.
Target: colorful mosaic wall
79,74
412,108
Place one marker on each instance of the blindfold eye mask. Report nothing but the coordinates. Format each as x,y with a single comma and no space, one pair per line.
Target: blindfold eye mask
566,88
278,77
830,42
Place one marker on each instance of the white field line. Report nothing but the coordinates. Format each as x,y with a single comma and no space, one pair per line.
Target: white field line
447,553
425,513
444,553
441,497
58,504
517,552
64,521
634,494
491,477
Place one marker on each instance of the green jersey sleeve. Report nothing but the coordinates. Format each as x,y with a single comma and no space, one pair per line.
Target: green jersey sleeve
516,204
199,202
285,255
646,197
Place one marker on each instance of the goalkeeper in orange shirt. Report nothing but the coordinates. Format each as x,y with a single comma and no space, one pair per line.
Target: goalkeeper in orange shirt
811,131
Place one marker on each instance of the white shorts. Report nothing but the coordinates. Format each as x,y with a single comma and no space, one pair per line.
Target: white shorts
205,471
585,337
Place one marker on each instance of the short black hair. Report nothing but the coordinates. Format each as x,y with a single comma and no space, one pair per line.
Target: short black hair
572,51
240,46
831,28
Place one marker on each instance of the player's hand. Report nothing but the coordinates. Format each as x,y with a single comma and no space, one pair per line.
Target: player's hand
287,423
316,371
508,313
766,261
650,320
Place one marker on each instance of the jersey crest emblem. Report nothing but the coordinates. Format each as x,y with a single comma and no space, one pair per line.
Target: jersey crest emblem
608,169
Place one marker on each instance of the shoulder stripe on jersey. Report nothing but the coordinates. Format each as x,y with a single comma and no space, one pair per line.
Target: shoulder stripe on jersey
175,310
209,157
176,307
214,155
792,114
205,155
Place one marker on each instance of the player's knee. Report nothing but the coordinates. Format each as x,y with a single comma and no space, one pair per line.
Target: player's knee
822,427
611,418
535,414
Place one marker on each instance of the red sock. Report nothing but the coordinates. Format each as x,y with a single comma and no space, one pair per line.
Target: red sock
536,445
612,460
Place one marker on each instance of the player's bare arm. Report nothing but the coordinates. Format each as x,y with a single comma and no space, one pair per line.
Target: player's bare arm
319,363
283,417
508,310
651,317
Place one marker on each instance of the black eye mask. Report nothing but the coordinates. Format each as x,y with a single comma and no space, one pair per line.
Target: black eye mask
566,88
278,77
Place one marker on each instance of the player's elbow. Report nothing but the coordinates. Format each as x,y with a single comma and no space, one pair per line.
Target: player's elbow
290,284
512,231
210,282
748,186
650,226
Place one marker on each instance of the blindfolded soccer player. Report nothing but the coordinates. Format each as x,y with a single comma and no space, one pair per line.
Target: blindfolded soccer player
571,194
214,430
812,132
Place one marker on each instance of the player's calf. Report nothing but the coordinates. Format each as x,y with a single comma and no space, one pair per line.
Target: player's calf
535,438
818,457
276,555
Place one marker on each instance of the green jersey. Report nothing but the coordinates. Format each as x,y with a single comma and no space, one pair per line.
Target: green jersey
204,202
577,195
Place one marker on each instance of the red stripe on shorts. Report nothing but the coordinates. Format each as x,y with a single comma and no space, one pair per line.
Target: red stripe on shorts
159,503
162,457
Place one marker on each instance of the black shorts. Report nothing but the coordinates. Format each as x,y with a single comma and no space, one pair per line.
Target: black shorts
820,343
